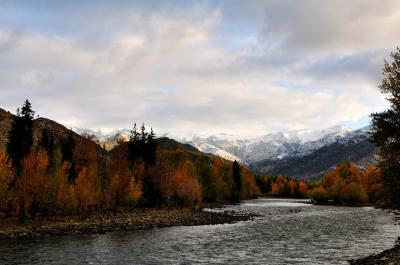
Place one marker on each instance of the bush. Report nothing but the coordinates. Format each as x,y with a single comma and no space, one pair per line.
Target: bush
354,193
320,195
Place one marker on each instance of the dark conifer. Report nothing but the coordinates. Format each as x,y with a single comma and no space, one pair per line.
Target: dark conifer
20,138
237,182
386,130
67,149
150,149
134,145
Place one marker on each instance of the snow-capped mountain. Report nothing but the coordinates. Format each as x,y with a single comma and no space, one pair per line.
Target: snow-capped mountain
269,146
353,146
299,153
106,140
273,146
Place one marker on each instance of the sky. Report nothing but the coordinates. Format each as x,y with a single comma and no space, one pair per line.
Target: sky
242,67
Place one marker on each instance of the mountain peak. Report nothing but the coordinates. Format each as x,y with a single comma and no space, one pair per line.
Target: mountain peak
269,146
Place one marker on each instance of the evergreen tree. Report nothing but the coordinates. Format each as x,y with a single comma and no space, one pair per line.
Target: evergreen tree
67,149
20,138
150,149
134,145
386,130
143,133
237,182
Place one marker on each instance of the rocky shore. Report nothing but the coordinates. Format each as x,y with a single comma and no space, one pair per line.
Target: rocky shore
128,220
387,257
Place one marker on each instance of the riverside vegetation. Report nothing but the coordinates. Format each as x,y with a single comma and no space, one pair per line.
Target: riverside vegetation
43,176
47,177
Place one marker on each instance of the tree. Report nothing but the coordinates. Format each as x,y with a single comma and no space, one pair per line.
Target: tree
320,195
118,188
6,176
31,189
134,146
354,193
237,182
21,136
67,150
150,150
386,130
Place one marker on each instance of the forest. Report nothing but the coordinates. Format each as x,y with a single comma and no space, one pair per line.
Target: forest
49,178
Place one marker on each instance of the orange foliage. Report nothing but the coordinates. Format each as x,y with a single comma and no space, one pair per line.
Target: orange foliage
32,186
303,187
347,184
187,188
177,185
6,177
63,200
85,191
250,189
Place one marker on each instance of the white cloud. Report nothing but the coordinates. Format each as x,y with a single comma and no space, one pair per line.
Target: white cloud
281,65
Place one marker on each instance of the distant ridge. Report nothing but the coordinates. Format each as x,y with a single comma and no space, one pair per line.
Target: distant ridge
61,133
305,154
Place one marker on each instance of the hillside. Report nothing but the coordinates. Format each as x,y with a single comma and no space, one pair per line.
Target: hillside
5,125
60,134
304,154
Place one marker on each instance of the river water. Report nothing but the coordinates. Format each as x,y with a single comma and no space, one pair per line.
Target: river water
287,232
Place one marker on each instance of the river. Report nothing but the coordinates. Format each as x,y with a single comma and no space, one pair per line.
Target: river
287,232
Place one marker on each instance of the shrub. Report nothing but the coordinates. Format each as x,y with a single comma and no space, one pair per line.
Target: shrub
320,195
354,193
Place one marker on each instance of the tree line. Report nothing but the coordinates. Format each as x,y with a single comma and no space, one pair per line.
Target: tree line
348,185
75,176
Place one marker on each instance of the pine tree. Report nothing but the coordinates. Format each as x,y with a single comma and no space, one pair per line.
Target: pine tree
143,133
134,145
150,149
237,181
386,130
67,150
21,136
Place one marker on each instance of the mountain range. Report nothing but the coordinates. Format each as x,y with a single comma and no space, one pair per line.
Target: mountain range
304,154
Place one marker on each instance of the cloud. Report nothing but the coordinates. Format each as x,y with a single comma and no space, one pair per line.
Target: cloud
246,68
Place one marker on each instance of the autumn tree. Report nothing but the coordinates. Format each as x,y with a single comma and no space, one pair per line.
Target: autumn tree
119,186
347,184
86,185
303,188
249,186
61,202
6,177
31,189
386,130
373,184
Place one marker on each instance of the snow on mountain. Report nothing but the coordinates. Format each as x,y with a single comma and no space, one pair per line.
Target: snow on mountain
272,146
106,140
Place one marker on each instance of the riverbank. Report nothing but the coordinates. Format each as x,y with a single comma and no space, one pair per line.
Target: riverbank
390,256
128,220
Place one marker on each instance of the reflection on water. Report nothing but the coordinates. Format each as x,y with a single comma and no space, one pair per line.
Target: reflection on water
287,232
